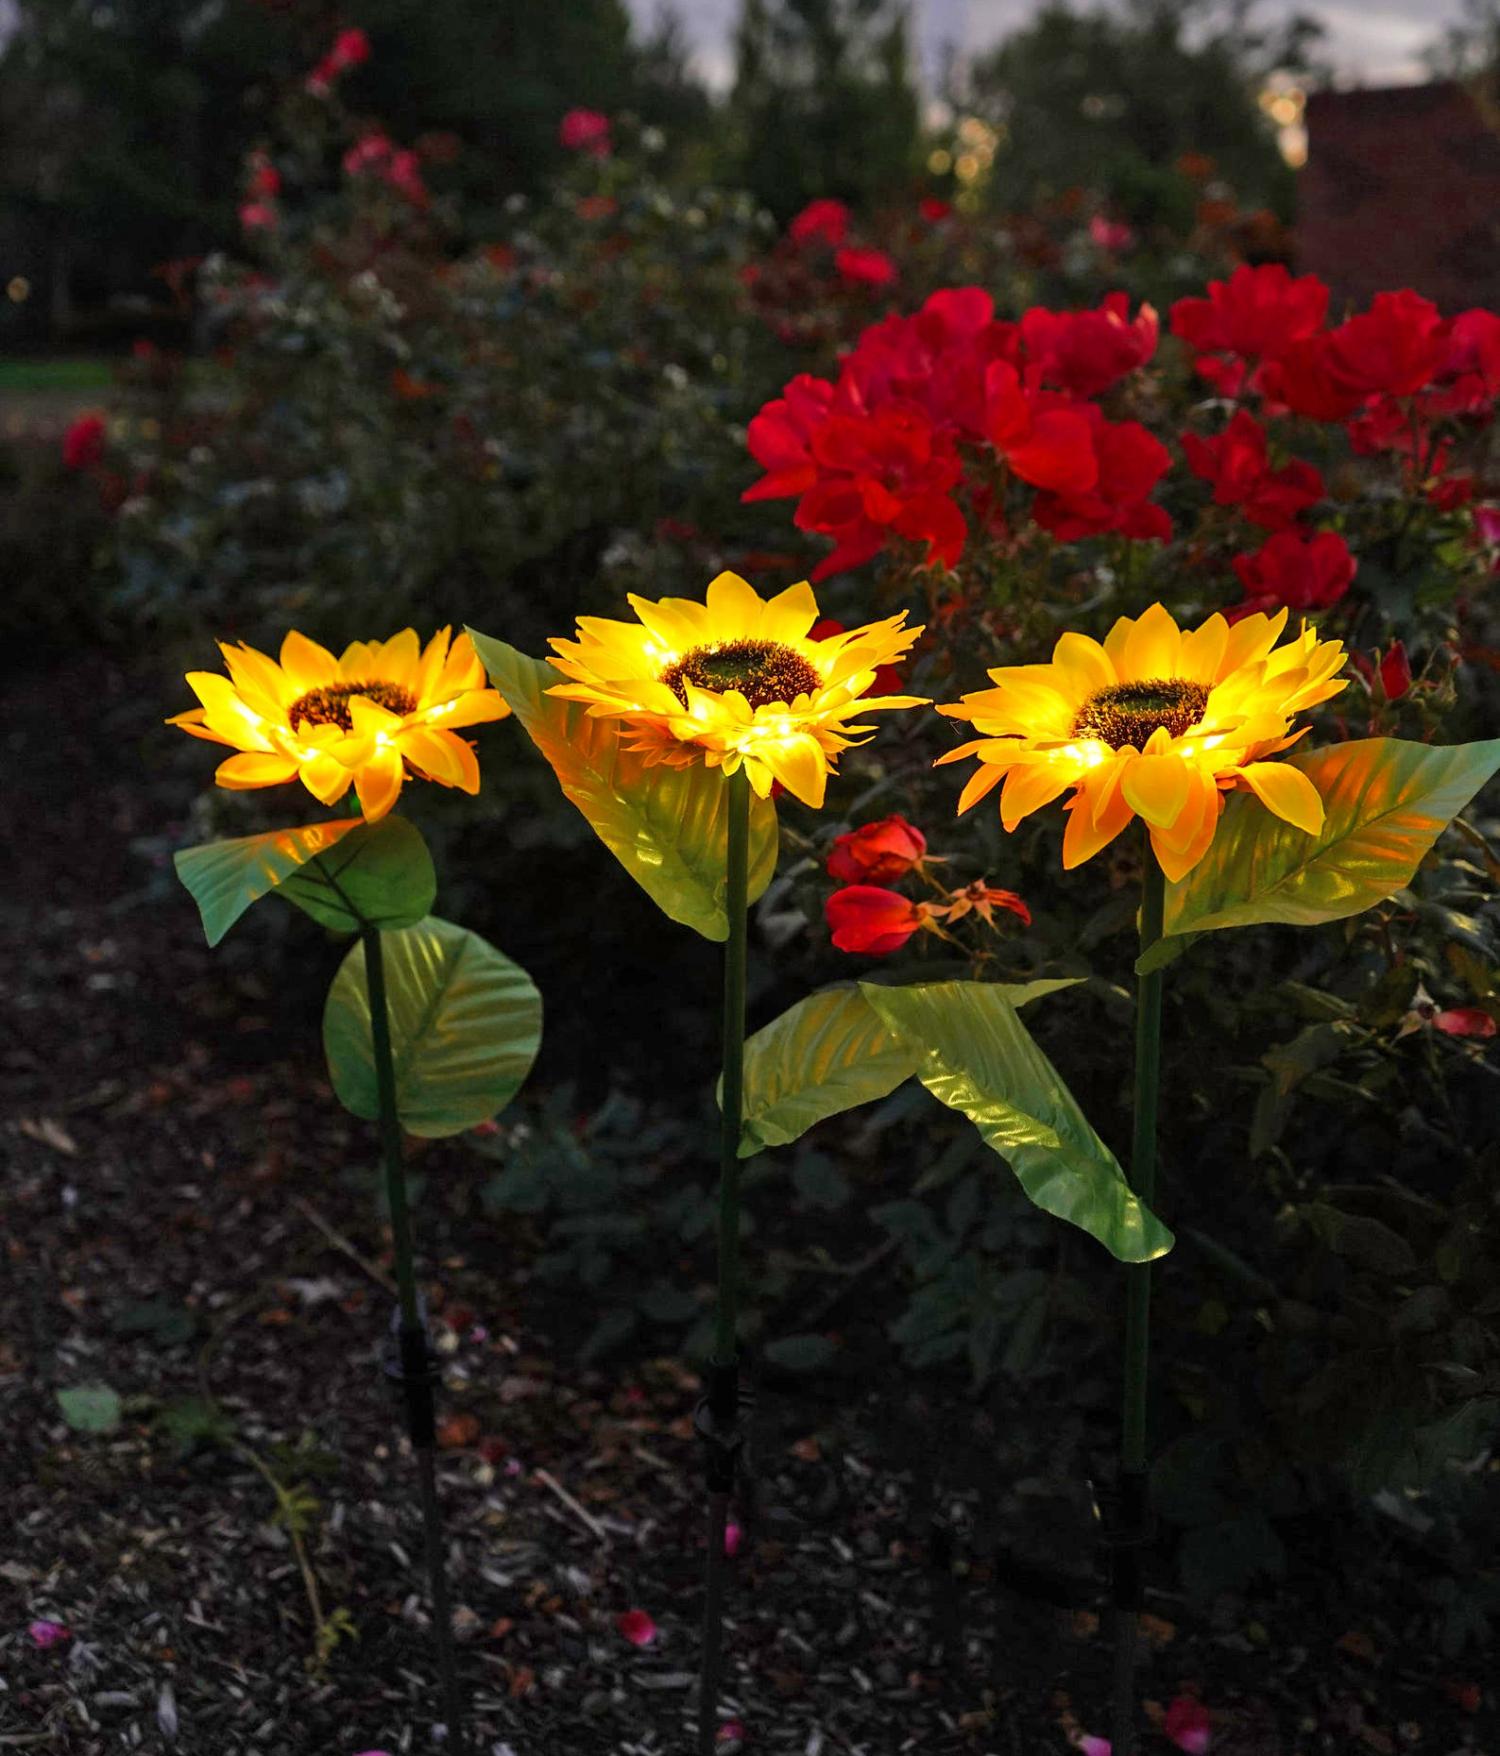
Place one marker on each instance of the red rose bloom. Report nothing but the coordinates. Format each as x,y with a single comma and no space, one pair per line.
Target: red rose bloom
351,48
1085,352
1301,382
1395,348
1047,445
867,268
822,222
585,131
1129,462
1296,572
1237,463
875,853
1257,313
83,443
865,918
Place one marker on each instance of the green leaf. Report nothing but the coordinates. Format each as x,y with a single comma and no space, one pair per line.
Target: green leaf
90,1408
1386,802
381,875
466,1023
828,1053
667,827
831,1053
225,877
978,1058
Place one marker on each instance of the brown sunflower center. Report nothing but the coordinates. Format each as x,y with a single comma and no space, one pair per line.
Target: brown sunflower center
1128,713
762,670
329,706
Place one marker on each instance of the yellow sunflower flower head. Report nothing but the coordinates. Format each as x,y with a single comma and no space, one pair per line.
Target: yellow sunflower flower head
383,709
735,682
1155,723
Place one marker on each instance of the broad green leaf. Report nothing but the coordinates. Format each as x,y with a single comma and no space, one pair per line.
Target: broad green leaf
90,1408
828,1053
666,826
381,875
978,1058
831,1053
466,1023
1386,802
225,877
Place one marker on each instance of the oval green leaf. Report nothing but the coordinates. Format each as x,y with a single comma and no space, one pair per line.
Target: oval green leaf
1386,802
225,877
668,827
379,875
978,1058
466,1024
828,1053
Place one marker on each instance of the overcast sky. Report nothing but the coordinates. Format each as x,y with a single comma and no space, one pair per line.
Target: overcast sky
1370,42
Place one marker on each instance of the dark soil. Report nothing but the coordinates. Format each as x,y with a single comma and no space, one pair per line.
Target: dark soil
181,1224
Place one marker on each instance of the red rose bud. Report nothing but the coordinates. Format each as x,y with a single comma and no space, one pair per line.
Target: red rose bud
865,918
1188,1726
876,853
1395,672
83,443
820,222
1465,1021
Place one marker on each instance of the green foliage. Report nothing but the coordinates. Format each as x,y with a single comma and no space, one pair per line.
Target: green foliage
379,875
91,1408
668,827
225,877
465,1023
978,1058
1385,804
823,102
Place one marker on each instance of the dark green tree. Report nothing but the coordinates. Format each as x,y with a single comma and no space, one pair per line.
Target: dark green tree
1110,99
823,101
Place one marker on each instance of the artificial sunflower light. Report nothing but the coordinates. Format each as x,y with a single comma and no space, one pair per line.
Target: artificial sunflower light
381,710
1155,723
735,682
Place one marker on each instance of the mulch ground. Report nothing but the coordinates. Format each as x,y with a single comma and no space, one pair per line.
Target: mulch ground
185,1220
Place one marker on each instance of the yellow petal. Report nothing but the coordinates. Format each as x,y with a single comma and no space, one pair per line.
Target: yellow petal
983,780
306,664
734,607
1029,787
1157,788
790,614
1152,649
326,779
798,763
397,659
378,784
473,708
1091,827
444,758
1203,650
253,769
1287,791
225,712
1087,664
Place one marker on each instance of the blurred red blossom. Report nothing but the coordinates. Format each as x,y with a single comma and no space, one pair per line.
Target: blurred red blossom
822,222
83,443
585,131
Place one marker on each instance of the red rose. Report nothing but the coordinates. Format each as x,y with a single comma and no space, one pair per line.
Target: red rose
83,443
1301,382
1257,313
1129,462
822,222
351,48
875,853
1237,463
865,918
1395,671
868,268
258,216
1295,571
1395,348
1044,444
1085,352
585,131
934,210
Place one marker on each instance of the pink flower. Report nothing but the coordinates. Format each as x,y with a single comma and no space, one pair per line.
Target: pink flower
1465,1021
820,222
258,216
585,131
637,1627
44,1634
731,1734
733,1536
1187,1725
1091,1746
351,48
82,448
867,268
1112,235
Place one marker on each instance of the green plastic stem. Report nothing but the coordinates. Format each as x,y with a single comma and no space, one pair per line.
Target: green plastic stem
726,1307
1132,1497
416,1385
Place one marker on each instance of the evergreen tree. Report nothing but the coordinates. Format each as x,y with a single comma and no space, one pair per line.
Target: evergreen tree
823,101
